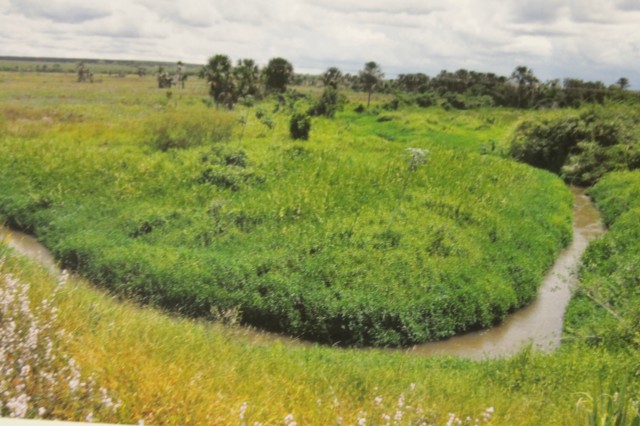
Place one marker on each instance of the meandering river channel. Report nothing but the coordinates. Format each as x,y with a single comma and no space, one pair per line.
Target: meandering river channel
539,324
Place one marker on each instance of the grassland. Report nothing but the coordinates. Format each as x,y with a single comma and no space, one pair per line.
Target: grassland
101,66
338,239
97,170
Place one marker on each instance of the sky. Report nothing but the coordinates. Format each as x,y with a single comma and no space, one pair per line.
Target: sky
586,39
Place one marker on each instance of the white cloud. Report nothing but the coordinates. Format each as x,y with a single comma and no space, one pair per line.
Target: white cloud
589,39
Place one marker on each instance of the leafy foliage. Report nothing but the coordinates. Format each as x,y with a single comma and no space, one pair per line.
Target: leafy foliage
581,148
369,77
277,75
219,76
328,104
300,126
332,78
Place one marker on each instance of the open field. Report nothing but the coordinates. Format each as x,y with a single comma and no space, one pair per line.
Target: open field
159,198
68,65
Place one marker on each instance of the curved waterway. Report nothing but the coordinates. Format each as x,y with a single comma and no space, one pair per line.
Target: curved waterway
538,324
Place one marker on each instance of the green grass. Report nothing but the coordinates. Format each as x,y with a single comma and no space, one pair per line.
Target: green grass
155,197
175,371
605,310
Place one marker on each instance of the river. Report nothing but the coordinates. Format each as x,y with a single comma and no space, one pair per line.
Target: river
539,323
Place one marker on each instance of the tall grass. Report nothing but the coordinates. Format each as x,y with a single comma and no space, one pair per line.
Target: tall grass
168,370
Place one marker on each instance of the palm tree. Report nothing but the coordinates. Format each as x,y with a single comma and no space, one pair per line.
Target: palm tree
332,77
247,77
623,82
370,76
526,82
218,73
277,74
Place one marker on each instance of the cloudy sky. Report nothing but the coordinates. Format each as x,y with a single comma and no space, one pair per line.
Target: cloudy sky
588,39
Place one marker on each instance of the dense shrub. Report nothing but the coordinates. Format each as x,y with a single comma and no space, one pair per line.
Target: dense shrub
580,148
425,100
300,126
328,104
466,101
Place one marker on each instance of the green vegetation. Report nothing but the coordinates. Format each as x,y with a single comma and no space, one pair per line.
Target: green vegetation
159,198
165,204
581,147
117,68
605,311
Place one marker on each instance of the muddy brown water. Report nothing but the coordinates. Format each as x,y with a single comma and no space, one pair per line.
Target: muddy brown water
538,324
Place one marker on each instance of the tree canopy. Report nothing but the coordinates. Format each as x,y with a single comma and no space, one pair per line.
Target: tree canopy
218,73
332,77
277,75
369,77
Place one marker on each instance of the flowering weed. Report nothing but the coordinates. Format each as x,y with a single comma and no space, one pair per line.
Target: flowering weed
38,380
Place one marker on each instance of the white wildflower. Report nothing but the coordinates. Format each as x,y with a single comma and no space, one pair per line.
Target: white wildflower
74,383
452,418
386,418
18,406
243,409
401,401
24,371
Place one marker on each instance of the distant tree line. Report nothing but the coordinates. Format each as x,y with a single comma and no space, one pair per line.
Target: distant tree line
461,89
464,89
522,89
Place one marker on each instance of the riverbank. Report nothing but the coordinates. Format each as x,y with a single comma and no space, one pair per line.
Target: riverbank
539,324
166,370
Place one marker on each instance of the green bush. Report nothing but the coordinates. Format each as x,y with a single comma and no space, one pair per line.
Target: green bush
329,103
580,148
425,100
300,126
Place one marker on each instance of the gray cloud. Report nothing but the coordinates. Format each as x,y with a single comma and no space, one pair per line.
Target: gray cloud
628,5
72,11
540,11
